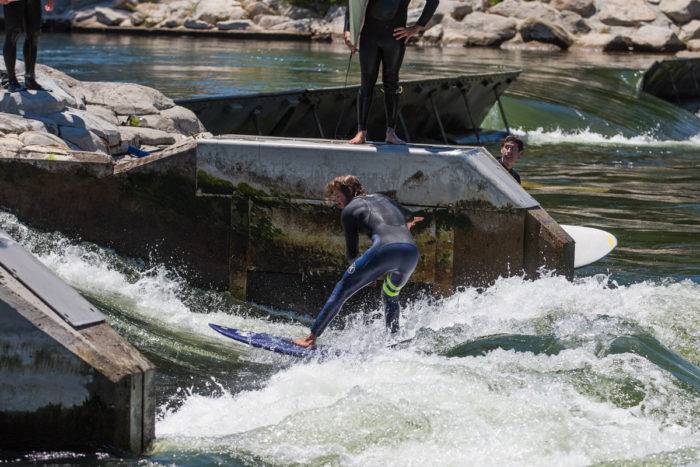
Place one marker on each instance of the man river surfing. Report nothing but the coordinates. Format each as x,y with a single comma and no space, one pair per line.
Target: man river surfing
393,251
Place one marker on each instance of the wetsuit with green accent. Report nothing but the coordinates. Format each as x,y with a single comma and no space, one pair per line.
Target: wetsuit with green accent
393,252
378,46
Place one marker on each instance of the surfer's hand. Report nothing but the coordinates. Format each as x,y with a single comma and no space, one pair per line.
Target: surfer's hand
414,221
48,7
346,38
407,33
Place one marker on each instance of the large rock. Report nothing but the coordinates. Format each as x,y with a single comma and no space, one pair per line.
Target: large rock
30,103
297,25
198,24
236,25
154,13
9,146
268,21
625,12
656,39
521,9
693,45
83,140
605,41
433,35
574,23
213,11
138,136
681,11
543,31
40,138
110,16
83,119
690,31
103,112
126,98
10,123
584,8
258,8
297,12
174,120
484,29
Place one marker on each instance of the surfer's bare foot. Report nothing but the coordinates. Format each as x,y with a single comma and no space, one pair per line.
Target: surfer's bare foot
391,137
360,138
306,342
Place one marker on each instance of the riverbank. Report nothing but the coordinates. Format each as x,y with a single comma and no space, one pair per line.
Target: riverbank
665,26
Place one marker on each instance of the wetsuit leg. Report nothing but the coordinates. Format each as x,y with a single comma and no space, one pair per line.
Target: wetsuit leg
406,261
31,41
392,52
370,57
14,25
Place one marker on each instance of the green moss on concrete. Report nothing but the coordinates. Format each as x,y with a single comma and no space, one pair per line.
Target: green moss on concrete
212,185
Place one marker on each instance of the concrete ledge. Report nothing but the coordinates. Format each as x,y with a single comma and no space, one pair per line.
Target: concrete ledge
57,160
547,245
418,175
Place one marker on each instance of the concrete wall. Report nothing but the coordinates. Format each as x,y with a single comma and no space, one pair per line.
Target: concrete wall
64,388
286,245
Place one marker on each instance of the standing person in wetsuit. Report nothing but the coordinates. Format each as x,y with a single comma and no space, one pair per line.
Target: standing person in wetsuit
512,149
393,251
383,40
22,15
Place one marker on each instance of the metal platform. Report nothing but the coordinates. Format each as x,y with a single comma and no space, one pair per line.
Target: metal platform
434,110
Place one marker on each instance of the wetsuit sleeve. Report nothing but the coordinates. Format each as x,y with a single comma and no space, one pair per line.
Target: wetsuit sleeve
352,232
428,11
346,27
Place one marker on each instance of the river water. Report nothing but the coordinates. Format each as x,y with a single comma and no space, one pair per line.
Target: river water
601,370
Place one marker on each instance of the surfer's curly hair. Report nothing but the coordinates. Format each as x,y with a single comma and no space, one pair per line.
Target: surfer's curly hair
349,185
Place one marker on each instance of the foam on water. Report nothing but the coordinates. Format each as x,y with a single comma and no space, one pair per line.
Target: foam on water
541,137
379,406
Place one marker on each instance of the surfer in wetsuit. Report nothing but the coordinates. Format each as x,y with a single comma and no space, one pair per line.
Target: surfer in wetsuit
383,40
512,149
22,15
393,251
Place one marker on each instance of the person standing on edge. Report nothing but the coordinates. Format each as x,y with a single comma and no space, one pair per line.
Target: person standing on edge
512,149
393,251
22,15
383,40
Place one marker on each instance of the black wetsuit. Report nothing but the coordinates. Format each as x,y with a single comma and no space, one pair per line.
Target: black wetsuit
512,172
393,252
378,45
22,16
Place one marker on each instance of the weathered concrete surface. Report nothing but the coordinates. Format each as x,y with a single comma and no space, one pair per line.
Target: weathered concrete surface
546,245
64,388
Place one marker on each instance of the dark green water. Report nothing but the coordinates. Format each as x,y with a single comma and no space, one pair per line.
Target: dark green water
602,370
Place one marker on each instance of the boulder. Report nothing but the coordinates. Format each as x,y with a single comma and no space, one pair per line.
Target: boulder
213,11
137,19
236,25
40,138
517,43
9,146
83,140
298,25
138,136
128,5
584,8
298,12
10,123
31,102
656,39
103,112
521,9
605,41
693,45
690,31
574,23
485,29
125,98
268,21
625,12
454,38
110,16
184,120
83,15
258,8
73,118
153,13
543,31
334,12
681,11
433,35
197,24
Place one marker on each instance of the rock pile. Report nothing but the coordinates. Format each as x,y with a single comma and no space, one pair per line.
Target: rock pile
90,116
610,25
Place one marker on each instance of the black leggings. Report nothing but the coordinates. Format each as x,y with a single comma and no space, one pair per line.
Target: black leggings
377,44
22,15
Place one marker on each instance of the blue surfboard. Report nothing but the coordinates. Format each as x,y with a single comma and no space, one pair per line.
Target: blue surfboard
266,341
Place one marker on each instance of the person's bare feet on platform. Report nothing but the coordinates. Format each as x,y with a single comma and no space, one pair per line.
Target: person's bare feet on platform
391,137
360,137
308,342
